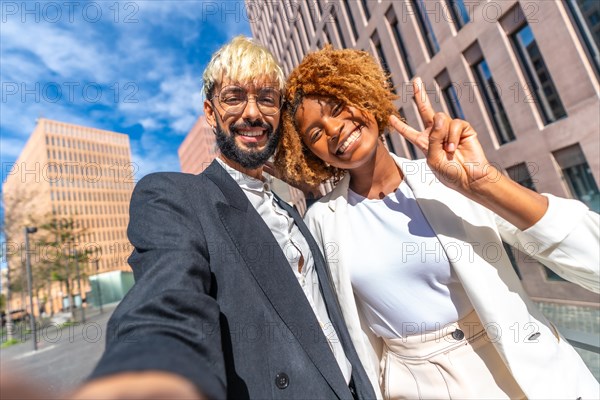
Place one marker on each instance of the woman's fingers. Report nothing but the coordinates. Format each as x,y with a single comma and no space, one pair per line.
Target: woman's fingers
404,129
423,104
439,133
457,126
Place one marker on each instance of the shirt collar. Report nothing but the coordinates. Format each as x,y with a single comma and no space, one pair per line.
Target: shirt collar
243,180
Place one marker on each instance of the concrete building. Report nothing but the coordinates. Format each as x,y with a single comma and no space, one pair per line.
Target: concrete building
199,148
523,73
79,180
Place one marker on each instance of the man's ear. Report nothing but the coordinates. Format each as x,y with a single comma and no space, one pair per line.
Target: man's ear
209,112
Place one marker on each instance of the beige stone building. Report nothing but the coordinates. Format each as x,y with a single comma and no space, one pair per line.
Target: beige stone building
523,73
80,179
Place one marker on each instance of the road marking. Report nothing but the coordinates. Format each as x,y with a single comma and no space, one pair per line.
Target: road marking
30,353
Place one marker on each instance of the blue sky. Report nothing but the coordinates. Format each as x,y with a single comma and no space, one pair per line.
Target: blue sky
132,67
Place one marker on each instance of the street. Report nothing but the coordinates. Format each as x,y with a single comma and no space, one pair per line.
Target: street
66,355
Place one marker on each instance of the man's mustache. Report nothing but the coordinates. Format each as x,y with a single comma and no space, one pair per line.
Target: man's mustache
251,124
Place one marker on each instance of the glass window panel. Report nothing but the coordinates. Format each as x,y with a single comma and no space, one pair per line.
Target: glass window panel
425,27
578,176
451,98
460,14
520,174
399,42
540,81
493,103
586,15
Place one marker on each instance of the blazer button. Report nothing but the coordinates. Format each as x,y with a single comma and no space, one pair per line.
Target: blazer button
458,335
534,336
282,380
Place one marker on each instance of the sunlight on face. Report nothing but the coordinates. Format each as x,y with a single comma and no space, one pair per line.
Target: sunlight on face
338,134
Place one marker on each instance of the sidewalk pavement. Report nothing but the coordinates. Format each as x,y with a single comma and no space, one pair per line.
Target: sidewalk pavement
66,355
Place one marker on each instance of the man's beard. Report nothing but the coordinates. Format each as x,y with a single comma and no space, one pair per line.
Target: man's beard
247,158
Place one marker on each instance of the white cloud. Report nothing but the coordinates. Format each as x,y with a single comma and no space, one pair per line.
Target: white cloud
150,124
11,148
177,103
68,53
152,154
162,54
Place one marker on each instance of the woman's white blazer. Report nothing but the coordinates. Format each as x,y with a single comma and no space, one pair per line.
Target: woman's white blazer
566,240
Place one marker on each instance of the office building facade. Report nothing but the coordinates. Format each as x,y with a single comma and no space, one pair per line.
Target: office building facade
525,74
77,181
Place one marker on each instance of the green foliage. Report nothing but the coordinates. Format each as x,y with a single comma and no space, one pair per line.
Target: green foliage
9,342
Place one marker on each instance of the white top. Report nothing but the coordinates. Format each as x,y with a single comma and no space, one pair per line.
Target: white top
294,246
399,271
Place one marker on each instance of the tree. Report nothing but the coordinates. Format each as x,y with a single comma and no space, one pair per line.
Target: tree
60,241
18,212
2,302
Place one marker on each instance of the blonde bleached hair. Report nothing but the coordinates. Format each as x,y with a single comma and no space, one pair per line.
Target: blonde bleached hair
242,60
351,76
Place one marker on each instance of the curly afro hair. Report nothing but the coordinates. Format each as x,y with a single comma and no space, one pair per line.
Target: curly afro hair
351,76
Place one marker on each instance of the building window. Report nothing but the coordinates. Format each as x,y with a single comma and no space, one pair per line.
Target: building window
540,81
552,276
425,27
326,37
520,174
451,99
338,27
412,150
382,60
388,142
586,16
399,42
578,175
460,14
512,258
493,103
365,8
450,95
350,18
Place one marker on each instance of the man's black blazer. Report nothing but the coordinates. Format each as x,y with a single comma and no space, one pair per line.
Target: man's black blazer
215,299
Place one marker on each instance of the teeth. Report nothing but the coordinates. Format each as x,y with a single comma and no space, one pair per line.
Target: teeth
351,139
252,133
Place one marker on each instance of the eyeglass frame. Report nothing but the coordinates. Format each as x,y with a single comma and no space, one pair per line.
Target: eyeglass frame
228,108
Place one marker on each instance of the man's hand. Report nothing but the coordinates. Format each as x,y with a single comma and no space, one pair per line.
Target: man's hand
139,385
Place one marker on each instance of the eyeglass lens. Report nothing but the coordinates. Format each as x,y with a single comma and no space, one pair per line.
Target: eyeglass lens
235,98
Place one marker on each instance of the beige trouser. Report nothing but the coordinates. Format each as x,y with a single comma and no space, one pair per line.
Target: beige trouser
445,365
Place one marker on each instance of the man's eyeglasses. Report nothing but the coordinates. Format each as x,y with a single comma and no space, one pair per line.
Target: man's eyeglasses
233,100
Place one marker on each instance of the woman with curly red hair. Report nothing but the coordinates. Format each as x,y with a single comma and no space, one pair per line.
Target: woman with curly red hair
432,302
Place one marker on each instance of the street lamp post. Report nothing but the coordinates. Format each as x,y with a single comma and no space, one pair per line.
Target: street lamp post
99,286
9,321
79,285
69,297
30,230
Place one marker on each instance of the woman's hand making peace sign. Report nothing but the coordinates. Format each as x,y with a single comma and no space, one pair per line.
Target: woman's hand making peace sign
456,157
451,145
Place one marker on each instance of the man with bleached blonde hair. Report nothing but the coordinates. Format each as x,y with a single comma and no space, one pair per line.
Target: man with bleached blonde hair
232,297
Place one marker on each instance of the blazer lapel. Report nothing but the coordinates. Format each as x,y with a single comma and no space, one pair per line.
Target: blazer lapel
271,270
361,380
